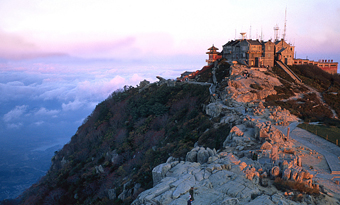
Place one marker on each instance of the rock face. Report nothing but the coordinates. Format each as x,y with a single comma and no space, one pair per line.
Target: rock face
214,109
257,86
213,182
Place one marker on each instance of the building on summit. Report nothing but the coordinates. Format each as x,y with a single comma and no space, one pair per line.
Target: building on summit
256,53
326,65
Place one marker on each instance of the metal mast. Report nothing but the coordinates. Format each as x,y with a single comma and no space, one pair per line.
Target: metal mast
276,32
284,30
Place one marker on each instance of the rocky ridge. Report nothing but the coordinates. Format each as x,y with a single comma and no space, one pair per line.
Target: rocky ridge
255,153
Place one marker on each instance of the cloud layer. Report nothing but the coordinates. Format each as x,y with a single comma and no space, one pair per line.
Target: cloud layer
50,91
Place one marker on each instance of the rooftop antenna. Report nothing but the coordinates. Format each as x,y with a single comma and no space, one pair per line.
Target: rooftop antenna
243,34
261,34
284,30
250,33
276,33
235,34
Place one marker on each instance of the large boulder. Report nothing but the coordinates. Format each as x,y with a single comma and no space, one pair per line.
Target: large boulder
266,146
275,171
191,156
214,109
286,174
159,172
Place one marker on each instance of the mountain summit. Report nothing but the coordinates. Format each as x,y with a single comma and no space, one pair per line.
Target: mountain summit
230,132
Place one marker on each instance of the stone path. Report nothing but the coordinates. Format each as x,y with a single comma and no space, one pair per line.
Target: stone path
329,150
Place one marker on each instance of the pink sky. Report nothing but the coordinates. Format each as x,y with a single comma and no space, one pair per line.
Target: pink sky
150,28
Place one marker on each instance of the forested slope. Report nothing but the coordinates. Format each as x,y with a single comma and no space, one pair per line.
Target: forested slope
118,145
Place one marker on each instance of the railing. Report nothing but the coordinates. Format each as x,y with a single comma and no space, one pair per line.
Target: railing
288,71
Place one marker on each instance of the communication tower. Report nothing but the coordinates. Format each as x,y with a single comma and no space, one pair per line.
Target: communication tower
284,30
276,33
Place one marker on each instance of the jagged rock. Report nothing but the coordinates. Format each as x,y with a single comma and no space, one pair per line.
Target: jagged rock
191,156
264,182
284,165
256,179
307,175
266,146
236,131
294,174
158,173
63,162
309,199
275,171
300,176
230,201
113,156
286,174
264,175
99,169
112,194
136,187
171,159
212,159
213,109
250,173
124,194
202,156
242,165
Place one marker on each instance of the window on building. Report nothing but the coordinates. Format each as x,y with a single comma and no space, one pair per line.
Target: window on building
269,48
269,55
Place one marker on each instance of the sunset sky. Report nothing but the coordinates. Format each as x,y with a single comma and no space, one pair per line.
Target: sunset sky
153,28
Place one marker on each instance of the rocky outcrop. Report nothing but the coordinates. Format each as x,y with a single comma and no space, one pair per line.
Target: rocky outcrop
200,155
223,179
214,109
247,89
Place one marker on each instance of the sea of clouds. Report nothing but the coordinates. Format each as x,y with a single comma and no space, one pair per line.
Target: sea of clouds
58,93
44,101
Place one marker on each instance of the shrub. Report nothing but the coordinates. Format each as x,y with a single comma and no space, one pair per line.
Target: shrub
289,185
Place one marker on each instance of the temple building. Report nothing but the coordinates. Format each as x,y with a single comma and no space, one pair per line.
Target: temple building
213,54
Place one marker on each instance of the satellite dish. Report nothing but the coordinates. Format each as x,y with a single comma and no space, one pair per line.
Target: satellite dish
243,34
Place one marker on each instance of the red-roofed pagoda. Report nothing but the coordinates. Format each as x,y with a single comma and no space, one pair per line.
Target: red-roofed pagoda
213,54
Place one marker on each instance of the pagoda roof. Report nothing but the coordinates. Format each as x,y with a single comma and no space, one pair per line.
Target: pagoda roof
212,52
213,48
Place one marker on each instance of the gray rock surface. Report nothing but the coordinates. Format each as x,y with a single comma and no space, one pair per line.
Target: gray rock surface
213,183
